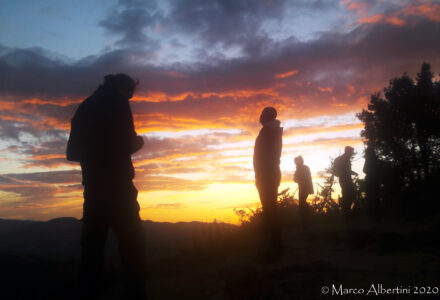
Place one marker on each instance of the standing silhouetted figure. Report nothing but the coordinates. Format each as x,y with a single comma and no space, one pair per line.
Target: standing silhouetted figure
102,139
373,178
303,177
267,153
342,169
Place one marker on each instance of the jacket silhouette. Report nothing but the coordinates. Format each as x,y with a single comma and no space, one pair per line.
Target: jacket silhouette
303,177
102,140
267,153
102,136
342,169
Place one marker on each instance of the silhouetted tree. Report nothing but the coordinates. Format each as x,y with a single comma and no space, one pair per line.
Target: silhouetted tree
323,200
402,128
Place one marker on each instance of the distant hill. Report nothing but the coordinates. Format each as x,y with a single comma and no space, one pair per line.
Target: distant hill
59,238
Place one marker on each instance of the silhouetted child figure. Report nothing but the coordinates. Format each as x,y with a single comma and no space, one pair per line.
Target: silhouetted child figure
102,139
342,169
267,153
303,177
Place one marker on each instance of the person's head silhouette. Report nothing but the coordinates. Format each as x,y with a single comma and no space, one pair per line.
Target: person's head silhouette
299,161
348,150
268,114
121,84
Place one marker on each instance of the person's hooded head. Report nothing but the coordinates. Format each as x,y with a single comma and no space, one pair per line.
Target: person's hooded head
348,150
299,161
267,115
120,84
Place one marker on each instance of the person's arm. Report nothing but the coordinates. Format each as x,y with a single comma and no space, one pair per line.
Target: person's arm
73,151
352,172
295,176
309,181
136,141
256,159
308,174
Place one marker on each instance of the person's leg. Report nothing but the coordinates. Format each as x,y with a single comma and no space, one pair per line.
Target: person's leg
347,190
351,194
129,231
272,229
303,208
93,236
267,212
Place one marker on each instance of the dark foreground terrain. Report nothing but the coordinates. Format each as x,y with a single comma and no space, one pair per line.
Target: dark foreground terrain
39,260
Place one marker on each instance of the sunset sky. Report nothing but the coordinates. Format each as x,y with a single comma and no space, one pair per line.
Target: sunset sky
206,70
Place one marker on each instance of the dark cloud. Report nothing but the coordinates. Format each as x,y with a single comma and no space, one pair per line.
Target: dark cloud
51,177
12,129
226,23
41,190
131,20
168,147
384,47
46,151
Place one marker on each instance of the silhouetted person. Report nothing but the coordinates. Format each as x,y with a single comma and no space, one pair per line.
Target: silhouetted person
342,169
102,139
303,177
267,153
373,174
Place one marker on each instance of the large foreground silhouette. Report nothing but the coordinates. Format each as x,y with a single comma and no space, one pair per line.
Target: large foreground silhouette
102,139
267,153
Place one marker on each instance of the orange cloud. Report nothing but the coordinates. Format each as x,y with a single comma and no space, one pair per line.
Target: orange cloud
47,156
161,96
360,8
351,89
319,129
330,143
428,10
287,74
64,101
240,93
327,89
380,18
170,183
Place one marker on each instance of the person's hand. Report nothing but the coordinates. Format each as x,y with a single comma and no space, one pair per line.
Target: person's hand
138,143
